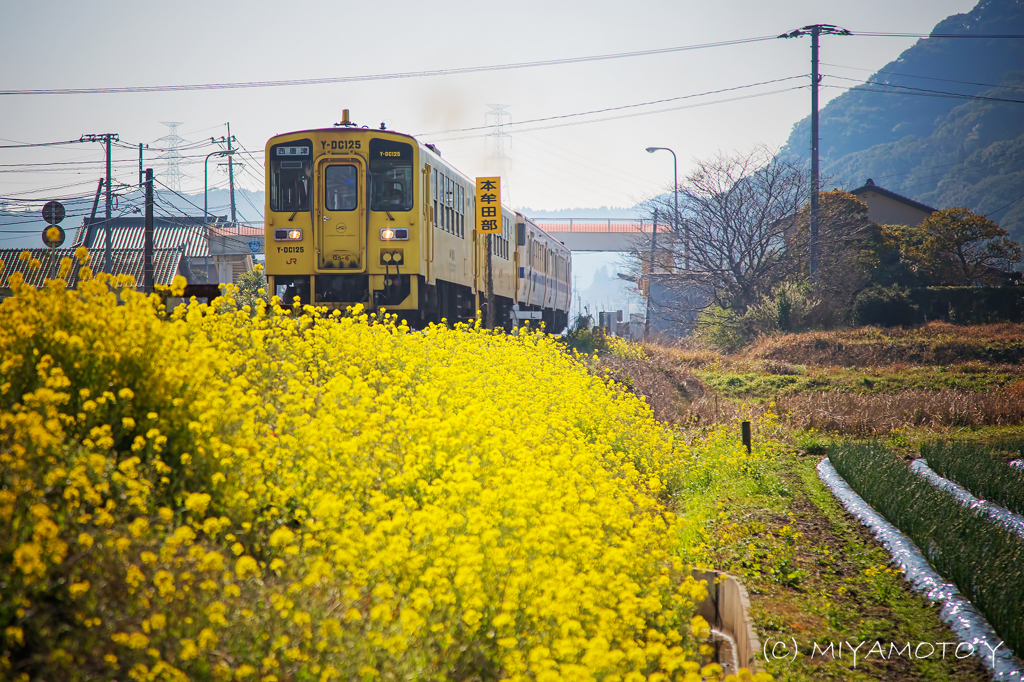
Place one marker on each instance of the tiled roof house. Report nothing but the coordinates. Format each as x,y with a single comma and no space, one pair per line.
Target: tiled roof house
885,207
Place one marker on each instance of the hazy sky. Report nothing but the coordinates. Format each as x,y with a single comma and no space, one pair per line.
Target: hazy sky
76,44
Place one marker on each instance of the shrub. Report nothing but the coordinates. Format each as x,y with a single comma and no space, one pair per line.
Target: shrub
884,307
790,308
301,495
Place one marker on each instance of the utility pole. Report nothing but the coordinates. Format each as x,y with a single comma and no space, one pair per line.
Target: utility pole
147,240
106,138
92,216
815,30
231,175
140,164
650,274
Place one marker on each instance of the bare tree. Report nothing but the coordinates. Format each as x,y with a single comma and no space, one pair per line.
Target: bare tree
728,246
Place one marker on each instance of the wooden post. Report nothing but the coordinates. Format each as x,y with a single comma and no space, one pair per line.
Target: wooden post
490,283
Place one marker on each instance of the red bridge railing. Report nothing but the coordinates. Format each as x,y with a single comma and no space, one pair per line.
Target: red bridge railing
637,226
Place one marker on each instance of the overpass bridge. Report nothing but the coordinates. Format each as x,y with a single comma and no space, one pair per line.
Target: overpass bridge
601,234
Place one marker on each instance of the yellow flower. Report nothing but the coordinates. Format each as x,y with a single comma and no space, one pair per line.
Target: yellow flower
281,536
197,502
246,566
138,527
206,639
188,650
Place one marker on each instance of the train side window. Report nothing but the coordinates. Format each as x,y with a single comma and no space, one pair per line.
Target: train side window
458,209
341,192
291,175
391,186
433,191
442,182
448,205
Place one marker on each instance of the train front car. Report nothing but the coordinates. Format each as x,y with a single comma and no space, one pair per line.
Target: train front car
343,219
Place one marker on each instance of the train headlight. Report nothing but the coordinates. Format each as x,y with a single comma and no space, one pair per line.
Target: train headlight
396,234
293,235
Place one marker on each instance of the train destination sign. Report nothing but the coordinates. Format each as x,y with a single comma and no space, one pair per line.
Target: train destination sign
488,205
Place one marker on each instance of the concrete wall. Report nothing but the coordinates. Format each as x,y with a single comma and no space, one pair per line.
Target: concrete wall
727,608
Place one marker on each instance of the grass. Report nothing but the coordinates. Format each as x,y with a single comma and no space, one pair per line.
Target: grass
760,380
936,343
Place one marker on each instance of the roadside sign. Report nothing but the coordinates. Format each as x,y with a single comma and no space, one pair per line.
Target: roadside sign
53,212
255,245
488,205
53,235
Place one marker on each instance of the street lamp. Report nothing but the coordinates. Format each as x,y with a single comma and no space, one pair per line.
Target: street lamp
675,192
206,212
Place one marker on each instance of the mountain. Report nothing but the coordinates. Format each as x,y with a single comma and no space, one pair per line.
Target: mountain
603,212
930,143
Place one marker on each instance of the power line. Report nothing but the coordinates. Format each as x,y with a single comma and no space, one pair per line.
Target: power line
640,113
1007,206
983,36
930,78
618,108
957,95
38,144
382,76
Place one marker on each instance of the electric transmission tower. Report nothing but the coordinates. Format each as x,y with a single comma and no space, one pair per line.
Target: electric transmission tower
498,117
172,156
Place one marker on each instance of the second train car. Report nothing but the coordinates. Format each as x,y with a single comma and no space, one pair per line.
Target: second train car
372,216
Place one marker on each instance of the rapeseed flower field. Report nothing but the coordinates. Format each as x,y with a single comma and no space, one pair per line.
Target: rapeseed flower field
273,493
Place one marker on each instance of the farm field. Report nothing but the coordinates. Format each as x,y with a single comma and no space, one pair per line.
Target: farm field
249,492
813,571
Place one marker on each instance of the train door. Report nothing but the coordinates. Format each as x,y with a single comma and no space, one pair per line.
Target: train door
530,277
547,277
341,214
427,233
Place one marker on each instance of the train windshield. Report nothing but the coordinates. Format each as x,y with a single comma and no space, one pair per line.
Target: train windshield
341,188
390,176
291,175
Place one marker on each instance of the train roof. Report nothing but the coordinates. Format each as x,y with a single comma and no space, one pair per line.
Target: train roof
429,147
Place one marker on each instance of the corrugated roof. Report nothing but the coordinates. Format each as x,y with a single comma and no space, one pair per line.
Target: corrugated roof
129,233
166,264
50,261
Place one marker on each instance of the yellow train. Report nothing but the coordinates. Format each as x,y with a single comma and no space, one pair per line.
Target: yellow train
371,216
